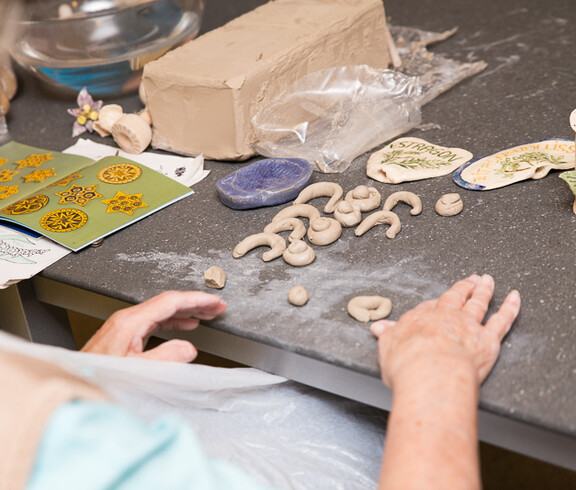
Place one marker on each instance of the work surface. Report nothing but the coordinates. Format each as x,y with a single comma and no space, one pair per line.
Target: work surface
523,234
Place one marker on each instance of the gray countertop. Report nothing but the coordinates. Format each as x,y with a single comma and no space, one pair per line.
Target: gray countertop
523,234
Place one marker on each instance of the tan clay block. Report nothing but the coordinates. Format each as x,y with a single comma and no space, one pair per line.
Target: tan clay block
203,95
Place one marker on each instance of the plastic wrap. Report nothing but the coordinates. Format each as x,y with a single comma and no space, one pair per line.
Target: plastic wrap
332,116
283,433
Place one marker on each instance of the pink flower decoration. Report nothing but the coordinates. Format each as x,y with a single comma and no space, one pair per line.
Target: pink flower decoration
85,114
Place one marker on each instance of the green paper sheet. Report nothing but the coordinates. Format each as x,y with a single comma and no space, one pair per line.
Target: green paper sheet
75,201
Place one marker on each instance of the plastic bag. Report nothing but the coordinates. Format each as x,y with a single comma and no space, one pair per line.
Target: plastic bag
332,116
283,433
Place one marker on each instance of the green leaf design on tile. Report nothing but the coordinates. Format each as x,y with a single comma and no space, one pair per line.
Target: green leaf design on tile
510,165
570,179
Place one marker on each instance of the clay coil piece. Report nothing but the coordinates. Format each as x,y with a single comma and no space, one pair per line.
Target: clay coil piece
369,308
107,117
299,254
8,80
132,133
298,211
276,243
406,197
364,198
380,218
347,214
288,224
449,205
320,189
324,231
215,277
298,296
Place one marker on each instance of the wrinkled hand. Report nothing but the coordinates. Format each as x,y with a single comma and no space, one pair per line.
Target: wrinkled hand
126,332
446,332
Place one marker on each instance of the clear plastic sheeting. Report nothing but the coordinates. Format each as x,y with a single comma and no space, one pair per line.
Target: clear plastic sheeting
283,433
332,116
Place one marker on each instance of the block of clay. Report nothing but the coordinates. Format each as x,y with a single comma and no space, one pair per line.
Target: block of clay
202,96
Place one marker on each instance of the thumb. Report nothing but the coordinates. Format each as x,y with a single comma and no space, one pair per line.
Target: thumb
378,328
175,350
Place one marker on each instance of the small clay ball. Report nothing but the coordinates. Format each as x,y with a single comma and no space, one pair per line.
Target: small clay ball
298,296
449,205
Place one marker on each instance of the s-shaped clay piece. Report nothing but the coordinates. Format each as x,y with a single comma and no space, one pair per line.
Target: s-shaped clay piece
449,204
324,231
405,197
299,253
298,210
380,218
293,224
320,189
347,214
275,242
369,308
364,198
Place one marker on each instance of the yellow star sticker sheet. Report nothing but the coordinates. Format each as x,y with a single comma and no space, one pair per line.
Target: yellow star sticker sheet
75,201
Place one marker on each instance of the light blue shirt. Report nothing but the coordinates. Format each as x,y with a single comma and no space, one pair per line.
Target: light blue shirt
98,445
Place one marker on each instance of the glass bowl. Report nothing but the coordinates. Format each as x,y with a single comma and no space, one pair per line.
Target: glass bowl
100,44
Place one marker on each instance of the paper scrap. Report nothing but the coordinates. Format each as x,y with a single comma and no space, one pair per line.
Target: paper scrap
22,256
186,170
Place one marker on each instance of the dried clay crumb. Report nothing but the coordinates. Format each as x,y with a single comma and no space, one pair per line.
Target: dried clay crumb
369,308
215,277
298,296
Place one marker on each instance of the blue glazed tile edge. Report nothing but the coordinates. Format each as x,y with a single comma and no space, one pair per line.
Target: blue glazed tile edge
457,177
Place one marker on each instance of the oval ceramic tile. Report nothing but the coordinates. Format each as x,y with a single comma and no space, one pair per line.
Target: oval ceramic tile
407,159
573,120
529,161
264,183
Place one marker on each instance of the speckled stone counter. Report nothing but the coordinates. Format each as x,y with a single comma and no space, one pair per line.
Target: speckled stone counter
523,235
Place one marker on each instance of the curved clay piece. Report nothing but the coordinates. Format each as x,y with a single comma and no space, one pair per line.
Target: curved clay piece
574,206
4,104
406,197
324,231
8,81
364,198
299,253
297,211
380,218
319,189
449,204
107,117
215,277
132,133
369,308
347,214
293,224
145,114
275,242
298,296
142,94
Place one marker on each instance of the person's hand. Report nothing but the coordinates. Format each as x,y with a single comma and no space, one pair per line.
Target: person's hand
126,332
446,332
